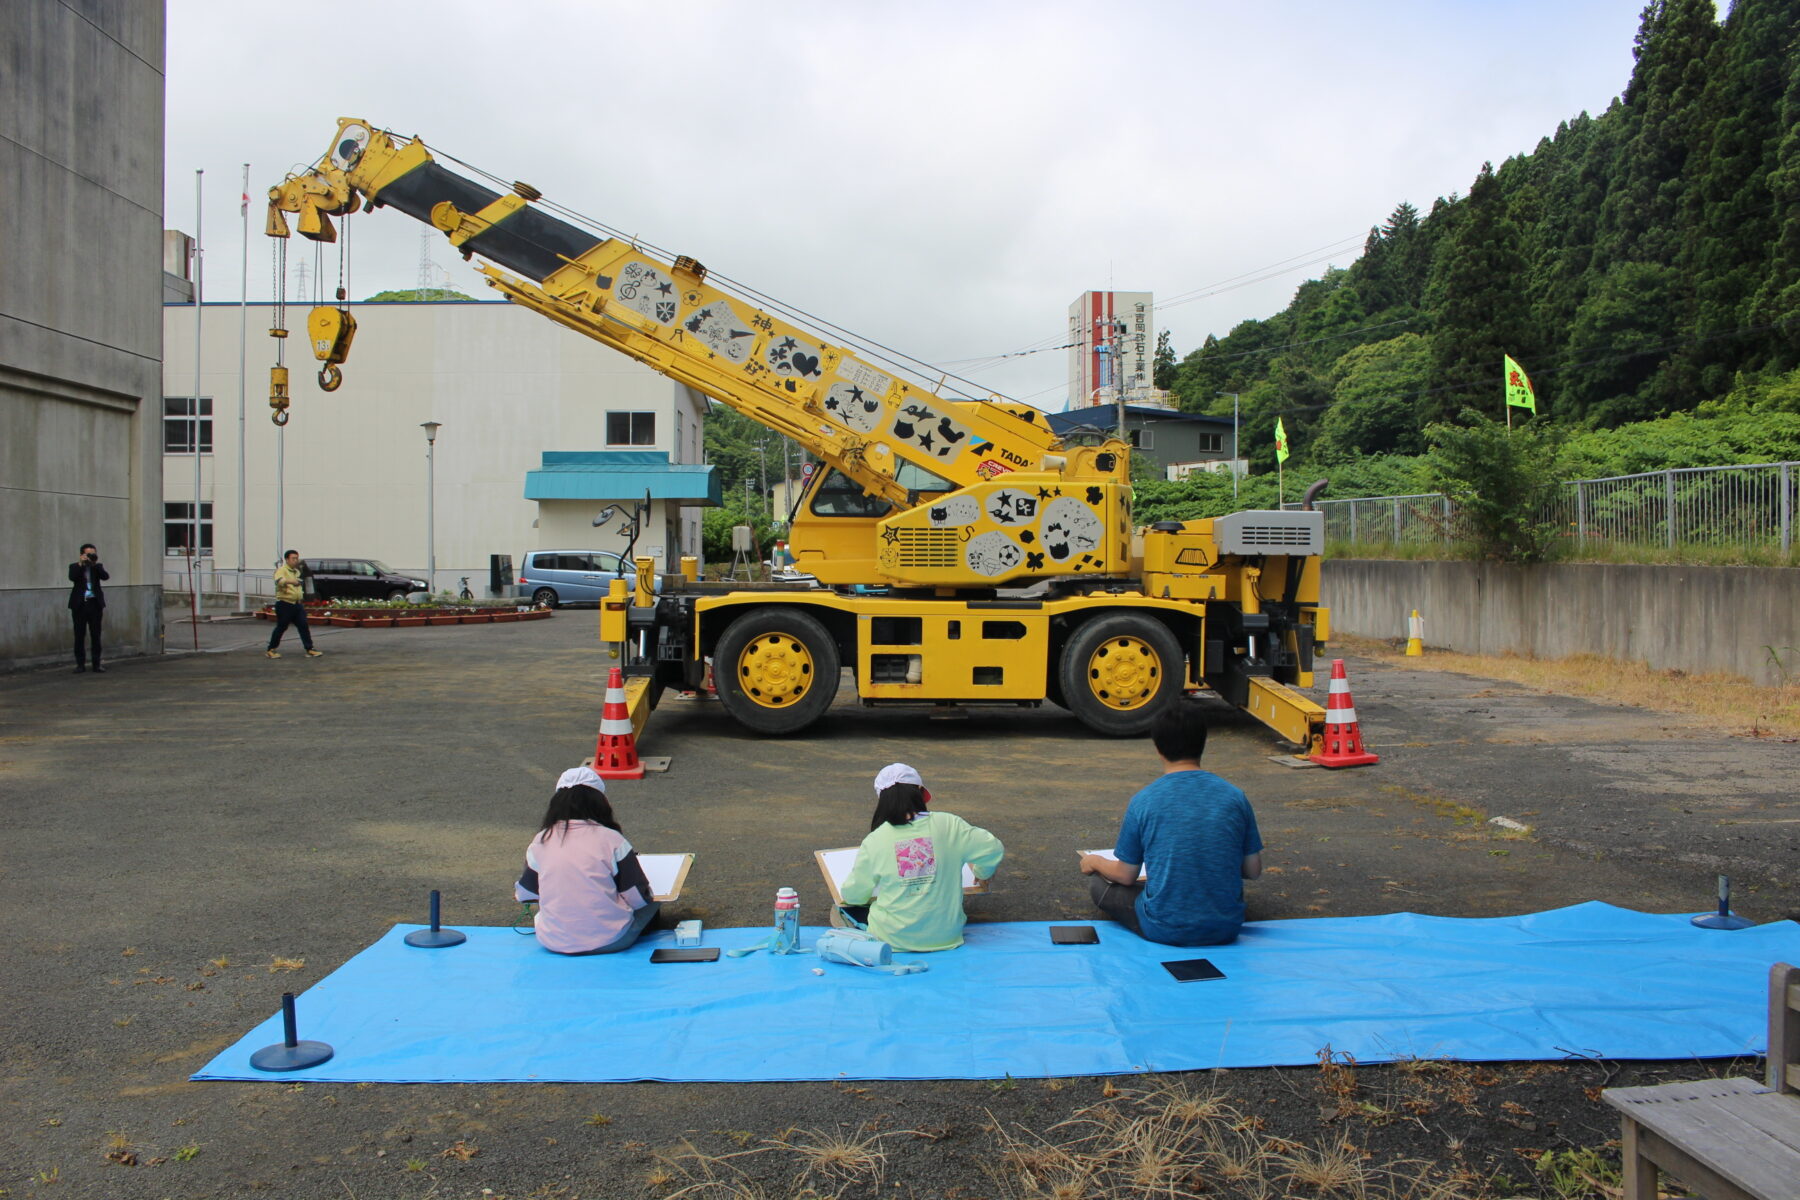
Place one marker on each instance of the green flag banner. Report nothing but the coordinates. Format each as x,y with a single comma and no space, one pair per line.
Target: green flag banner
1281,446
1518,386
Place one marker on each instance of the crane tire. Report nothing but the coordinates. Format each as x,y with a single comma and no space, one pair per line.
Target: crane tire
776,669
1118,672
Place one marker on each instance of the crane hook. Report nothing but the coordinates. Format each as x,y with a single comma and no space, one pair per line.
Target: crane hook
330,377
280,417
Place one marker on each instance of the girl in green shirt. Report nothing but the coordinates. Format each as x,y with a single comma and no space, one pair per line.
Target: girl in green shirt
909,870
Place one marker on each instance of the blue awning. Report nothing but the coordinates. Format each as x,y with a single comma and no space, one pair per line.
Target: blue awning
620,475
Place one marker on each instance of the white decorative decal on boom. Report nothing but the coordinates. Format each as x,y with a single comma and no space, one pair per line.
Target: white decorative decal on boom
924,428
646,291
791,356
722,331
853,407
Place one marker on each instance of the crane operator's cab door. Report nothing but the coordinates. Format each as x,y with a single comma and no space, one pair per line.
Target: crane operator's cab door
834,535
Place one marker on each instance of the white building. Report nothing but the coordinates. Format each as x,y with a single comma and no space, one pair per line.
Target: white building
515,396
1112,339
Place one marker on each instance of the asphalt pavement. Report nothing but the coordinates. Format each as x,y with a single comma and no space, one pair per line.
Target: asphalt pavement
183,831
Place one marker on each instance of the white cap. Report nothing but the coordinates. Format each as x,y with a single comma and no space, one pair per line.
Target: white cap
896,773
581,776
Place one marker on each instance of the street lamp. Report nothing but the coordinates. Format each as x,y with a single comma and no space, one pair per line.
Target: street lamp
431,428
1234,443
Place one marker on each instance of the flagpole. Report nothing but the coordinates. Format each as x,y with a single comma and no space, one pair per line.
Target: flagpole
243,366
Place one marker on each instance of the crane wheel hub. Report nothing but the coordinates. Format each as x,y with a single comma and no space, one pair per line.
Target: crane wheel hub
1124,673
775,670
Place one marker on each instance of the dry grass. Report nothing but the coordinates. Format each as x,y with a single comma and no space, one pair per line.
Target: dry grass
1179,1142
1717,700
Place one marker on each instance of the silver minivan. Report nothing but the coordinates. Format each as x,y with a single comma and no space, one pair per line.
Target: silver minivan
552,578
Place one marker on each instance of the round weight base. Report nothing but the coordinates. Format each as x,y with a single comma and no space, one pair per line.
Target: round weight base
436,939
1727,921
298,1057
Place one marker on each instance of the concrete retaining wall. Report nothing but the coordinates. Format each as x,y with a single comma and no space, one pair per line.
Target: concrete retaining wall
1691,618
39,630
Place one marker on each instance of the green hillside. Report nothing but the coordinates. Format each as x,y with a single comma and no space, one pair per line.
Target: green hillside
1643,265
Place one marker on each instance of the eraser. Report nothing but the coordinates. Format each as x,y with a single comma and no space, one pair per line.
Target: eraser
687,933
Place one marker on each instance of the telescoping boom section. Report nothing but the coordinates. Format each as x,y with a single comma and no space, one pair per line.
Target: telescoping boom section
963,554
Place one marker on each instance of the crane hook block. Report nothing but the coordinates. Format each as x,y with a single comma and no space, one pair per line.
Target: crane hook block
331,330
278,394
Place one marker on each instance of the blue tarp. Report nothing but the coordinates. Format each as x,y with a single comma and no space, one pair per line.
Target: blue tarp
1591,979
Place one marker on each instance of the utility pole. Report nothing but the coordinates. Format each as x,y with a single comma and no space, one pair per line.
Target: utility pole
1234,444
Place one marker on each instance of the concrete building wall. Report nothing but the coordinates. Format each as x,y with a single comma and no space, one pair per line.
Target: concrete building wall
506,385
1692,618
81,146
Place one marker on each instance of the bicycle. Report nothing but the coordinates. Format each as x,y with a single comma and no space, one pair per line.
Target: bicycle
466,594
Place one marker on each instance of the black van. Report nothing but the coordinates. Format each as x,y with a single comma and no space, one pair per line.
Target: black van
359,579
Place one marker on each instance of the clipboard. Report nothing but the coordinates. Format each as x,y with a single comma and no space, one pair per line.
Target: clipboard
667,874
1143,875
835,866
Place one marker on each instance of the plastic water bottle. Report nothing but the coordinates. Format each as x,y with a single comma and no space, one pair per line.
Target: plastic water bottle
787,921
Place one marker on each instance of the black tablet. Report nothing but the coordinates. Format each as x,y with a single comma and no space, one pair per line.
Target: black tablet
685,954
1074,935
1187,970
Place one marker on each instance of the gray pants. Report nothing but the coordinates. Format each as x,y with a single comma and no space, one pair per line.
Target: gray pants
640,920
1117,900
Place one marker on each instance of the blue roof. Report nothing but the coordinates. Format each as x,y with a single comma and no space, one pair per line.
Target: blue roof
620,475
1105,416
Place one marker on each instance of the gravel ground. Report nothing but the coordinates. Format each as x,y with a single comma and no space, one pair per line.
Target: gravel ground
180,827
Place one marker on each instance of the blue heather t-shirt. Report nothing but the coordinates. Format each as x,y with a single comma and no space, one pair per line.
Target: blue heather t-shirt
1192,831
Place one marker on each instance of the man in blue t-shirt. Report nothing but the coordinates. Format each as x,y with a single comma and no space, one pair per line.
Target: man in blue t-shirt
1195,838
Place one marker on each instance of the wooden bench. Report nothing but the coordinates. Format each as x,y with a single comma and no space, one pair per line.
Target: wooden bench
1728,1138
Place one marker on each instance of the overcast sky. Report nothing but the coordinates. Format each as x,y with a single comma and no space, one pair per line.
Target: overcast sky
941,178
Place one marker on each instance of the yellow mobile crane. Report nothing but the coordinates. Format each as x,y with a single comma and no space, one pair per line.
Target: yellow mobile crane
1004,563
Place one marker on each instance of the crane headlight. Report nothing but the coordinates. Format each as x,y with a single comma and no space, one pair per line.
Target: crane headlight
350,145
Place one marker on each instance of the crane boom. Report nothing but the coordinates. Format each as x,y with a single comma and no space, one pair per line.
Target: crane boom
858,418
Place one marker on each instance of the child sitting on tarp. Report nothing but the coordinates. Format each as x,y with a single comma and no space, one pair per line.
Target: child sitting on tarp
591,892
908,871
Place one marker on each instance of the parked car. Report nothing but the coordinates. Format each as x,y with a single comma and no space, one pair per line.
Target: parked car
551,578
359,579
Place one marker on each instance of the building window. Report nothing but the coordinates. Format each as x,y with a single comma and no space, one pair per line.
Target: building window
1212,443
178,527
178,425
631,429
1142,439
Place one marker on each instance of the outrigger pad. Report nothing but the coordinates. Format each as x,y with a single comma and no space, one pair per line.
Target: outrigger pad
1591,979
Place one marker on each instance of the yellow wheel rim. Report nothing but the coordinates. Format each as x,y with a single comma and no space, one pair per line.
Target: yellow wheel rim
775,670
1124,673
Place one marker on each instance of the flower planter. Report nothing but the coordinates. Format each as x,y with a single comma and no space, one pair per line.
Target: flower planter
537,614
501,618
411,621
477,618
342,620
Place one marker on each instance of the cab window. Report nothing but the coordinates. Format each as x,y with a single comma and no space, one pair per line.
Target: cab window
840,496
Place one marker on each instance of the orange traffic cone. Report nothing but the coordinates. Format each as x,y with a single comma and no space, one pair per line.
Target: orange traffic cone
615,754
1343,738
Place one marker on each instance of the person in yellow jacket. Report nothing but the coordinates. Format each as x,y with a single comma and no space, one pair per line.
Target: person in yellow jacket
908,871
290,609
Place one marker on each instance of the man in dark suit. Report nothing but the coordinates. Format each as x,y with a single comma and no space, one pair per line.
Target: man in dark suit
87,604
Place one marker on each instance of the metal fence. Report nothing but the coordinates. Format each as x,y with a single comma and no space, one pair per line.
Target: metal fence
1753,507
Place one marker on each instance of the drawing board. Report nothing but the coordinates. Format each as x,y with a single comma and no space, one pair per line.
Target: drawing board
666,873
1107,853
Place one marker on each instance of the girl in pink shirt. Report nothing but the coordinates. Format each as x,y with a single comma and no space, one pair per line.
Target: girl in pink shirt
591,892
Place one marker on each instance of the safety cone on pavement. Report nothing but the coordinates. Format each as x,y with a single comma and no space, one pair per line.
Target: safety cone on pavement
1415,635
1343,737
615,754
